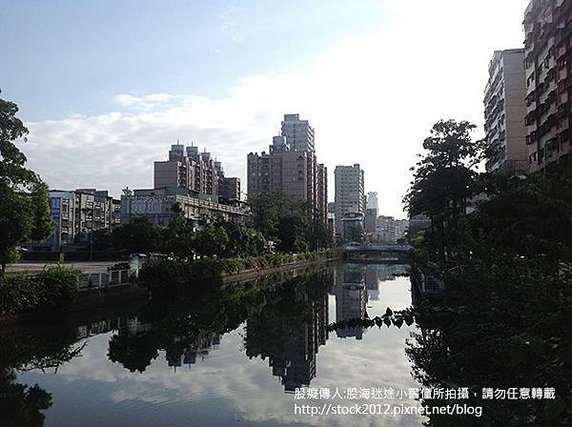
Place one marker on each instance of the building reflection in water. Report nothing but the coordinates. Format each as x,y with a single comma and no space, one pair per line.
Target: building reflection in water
372,282
199,348
179,350
289,330
351,299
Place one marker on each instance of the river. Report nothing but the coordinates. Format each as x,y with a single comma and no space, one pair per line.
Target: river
252,354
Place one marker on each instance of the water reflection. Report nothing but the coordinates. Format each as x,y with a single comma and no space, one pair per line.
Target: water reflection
351,299
290,329
132,363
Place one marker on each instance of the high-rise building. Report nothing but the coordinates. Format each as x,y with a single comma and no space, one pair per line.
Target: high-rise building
370,219
259,180
290,167
548,73
298,133
350,196
322,190
188,168
372,202
231,189
504,112
390,230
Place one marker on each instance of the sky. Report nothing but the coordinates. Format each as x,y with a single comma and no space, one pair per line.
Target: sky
105,87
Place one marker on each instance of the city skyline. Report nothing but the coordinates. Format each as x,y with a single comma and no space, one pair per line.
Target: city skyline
105,105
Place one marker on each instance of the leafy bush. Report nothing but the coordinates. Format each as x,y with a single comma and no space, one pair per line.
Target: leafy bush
60,285
54,287
165,273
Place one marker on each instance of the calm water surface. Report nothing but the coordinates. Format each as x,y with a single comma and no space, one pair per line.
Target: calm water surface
242,366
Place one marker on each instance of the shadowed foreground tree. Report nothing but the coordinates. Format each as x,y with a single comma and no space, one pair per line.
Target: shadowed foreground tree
24,198
444,179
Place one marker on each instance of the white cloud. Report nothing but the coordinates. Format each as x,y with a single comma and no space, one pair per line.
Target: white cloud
371,98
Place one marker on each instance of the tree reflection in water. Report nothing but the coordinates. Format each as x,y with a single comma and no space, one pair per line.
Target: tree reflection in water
188,322
22,405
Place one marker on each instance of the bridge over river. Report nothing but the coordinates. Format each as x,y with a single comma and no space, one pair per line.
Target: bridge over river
375,252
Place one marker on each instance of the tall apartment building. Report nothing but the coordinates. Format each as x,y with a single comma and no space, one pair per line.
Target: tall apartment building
231,189
195,171
258,178
548,72
290,167
322,191
79,213
390,230
298,133
504,112
370,219
350,196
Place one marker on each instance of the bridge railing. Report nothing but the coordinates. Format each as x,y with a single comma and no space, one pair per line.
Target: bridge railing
377,248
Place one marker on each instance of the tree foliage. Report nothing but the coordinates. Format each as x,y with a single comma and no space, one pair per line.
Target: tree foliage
292,225
139,235
508,288
444,179
24,198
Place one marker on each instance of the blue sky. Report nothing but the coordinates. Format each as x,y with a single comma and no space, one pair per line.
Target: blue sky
106,86
74,56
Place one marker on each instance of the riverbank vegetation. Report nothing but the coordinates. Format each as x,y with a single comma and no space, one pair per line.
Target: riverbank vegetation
170,273
506,264
55,286
275,223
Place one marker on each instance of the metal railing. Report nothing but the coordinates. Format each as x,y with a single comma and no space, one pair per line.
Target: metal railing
104,279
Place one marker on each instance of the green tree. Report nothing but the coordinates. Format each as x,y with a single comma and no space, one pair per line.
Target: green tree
178,237
291,224
24,198
444,179
266,211
293,233
355,234
211,240
138,235
243,240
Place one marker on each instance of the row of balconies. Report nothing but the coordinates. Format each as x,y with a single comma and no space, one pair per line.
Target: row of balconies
552,144
563,110
546,126
564,84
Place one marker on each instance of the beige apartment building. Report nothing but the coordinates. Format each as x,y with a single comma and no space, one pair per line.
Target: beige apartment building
505,110
80,212
350,199
197,172
290,167
548,74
